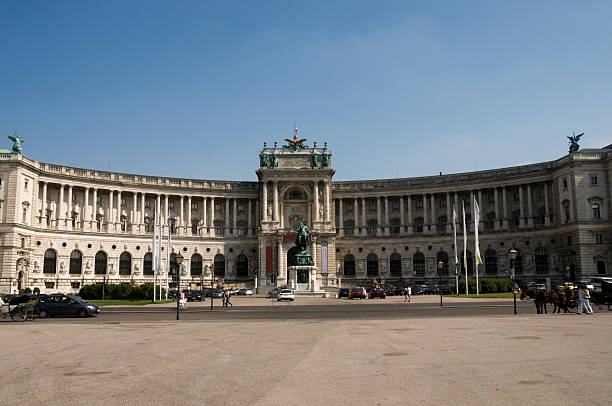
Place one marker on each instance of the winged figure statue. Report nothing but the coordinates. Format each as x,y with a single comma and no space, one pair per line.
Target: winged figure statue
573,141
16,142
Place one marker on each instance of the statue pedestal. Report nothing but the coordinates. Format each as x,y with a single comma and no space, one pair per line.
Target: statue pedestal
303,278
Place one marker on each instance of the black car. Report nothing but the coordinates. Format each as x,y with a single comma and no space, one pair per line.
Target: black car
65,305
343,292
193,295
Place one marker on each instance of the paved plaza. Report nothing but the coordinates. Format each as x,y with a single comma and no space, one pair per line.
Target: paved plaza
470,352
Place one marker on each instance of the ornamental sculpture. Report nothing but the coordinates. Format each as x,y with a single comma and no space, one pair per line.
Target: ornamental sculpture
301,242
573,141
315,161
295,144
16,142
263,160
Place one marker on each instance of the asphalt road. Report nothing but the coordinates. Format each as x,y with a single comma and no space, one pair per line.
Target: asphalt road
257,309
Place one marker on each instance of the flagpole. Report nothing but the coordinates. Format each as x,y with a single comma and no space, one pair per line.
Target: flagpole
153,264
159,251
456,257
477,257
168,256
465,250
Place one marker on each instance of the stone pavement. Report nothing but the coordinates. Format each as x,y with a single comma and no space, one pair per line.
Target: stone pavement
529,359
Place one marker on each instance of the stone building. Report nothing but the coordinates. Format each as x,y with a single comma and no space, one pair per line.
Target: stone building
63,227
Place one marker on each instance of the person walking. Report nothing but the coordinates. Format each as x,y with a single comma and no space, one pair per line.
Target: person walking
584,302
224,301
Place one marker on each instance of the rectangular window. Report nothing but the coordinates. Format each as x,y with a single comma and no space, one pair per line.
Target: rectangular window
49,285
123,202
442,203
491,198
217,207
240,207
74,197
564,183
395,205
372,206
98,200
25,184
194,227
419,204
147,203
171,205
349,207
599,238
593,180
75,285
194,205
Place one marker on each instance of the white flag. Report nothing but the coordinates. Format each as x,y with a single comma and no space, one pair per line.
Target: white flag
476,222
465,249
455,233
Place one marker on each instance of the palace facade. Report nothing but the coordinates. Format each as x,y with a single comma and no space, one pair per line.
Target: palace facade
63,227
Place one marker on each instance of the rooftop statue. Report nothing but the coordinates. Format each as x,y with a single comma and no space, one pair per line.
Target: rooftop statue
295,143
16,142
325,160
263,160
315,161
573,141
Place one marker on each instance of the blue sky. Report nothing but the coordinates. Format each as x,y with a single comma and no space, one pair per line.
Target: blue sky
397,88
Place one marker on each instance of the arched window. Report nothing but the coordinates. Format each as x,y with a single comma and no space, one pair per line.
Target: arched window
442,256
372,265
372,226
196,265
219,265
490,262
349,265
101,261
148,264
242,266
76,262
541,261
50,261
418,264
395,265
125,263
470,264
349,227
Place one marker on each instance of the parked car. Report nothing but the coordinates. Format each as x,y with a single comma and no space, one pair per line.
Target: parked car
217,294
193,295
233,291
285,294
417,290
249,292
343,292
392,290
65,305
358,293
445,290
378,292
540,286
273,293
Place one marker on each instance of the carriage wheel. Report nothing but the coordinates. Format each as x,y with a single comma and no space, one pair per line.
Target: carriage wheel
19,315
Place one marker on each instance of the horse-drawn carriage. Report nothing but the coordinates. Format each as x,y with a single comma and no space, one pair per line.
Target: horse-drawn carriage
20,308
603,297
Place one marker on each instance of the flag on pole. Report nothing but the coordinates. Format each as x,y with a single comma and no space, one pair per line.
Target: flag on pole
154,251
476,222
455,233
465,249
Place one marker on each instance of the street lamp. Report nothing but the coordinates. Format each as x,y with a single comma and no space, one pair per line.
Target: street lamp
440,267
512,254
179,261
212,281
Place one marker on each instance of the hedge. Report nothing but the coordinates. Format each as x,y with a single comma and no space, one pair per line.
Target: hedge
121,291
487,285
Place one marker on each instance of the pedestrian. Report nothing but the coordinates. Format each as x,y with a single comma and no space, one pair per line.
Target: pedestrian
584,300
405,294
224,301
183,300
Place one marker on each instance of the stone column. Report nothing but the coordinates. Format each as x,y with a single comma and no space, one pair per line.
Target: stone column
282,271
249,219
529,207
457,209
425,216
166,214
364,224
379,225
521,208
356,215
227,218
181,221
142,212
43,210
211,219
410,222
60,211
340,219
546,216
110,220
85,218
434,220
188,225
467,224
257,216
496,198
157,208
275,208
264,200
327,204
94,211
402,216
316,200
234,220
387,225
505,208
205,216
69,215
449,216
134,212
118,218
